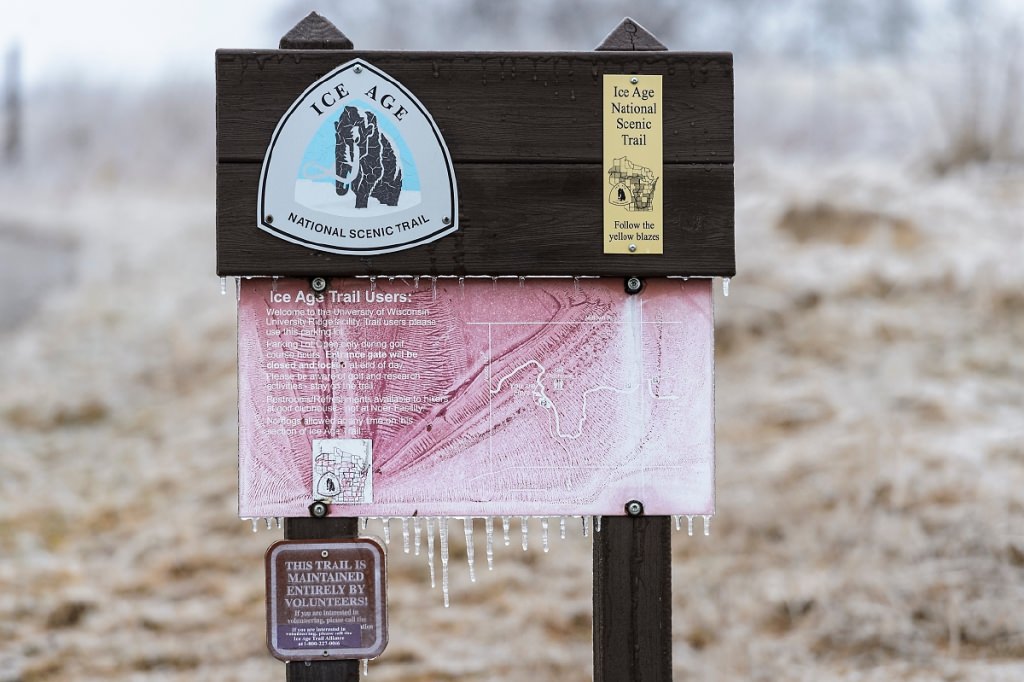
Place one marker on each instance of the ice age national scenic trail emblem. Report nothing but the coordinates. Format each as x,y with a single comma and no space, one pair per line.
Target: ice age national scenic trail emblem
357,166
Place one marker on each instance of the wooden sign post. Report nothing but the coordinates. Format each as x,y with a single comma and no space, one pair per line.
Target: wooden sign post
350,175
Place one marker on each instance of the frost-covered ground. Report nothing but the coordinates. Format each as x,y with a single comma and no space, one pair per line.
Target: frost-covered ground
870,440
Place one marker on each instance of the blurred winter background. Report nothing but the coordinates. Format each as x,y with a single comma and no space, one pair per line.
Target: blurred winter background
870,372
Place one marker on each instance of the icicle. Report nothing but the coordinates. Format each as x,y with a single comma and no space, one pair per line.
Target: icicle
391,278
238,289
430,550
363,521
524,526
366,667
689,525
597,524
707,525
255,525
522,282
561,528
489,525
470,549
462,286
280,523
223,286
725,287
544,534
417,532
443,529
576,284
270,522
373,283
433,287
679,521
405,534
586,526
506,523
494,283
416,282
387,529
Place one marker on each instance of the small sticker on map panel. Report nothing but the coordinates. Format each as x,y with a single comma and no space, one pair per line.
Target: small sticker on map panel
343,470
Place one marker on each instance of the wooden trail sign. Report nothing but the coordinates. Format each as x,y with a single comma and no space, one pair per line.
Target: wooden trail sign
403,167
524,131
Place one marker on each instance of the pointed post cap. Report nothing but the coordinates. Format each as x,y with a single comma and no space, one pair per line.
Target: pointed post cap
630,36
315,33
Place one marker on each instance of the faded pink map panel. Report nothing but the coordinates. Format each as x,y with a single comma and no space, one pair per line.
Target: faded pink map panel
547,397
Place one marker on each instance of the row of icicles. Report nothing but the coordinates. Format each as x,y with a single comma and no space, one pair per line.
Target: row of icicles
413,530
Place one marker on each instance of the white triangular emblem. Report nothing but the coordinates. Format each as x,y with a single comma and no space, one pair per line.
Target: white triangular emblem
357,166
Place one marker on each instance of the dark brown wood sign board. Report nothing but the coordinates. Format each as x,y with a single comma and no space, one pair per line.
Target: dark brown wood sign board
525,134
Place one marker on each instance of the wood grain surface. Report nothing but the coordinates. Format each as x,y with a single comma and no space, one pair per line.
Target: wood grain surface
633,600
495,107
514,219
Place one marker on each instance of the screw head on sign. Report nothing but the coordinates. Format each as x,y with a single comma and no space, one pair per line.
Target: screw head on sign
632,248
318,509
318,284
634,285
634,80
635,508
358,69
446,220
270,218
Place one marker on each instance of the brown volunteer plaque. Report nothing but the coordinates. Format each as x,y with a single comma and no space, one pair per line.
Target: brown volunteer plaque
326,600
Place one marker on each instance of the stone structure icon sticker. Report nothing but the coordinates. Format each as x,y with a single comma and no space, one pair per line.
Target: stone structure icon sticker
357,166
342,472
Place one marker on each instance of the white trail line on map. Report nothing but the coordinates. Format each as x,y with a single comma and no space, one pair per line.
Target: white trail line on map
544,401
547,403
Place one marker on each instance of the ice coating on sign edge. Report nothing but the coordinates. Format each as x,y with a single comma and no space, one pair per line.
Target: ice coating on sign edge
430,551
539,392
443,526
489,526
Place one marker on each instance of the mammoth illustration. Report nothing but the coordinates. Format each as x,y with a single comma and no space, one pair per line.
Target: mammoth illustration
365,161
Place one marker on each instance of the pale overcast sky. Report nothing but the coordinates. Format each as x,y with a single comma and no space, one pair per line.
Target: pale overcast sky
135,41
151,41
